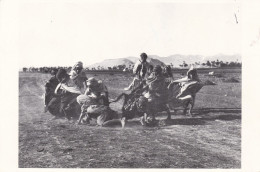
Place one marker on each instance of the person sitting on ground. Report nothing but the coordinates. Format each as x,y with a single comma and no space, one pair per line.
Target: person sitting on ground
78,75
139,70
68,91
98,90
50,99
91,108
95,104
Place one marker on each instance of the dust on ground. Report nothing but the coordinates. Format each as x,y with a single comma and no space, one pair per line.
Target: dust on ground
210,139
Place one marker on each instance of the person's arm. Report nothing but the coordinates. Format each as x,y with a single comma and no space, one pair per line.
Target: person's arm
87,92
137,67
141,88
57,89
185,79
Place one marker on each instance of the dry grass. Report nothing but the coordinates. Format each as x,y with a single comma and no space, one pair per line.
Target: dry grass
211,139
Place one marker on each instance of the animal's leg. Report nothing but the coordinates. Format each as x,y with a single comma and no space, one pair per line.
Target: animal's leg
191,105
153,117
143,119
186,104
123,121
168,112
146,117
186,101
80,117
82,114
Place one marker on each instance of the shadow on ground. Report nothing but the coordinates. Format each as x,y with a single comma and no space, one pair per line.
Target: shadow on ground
199,117
202,111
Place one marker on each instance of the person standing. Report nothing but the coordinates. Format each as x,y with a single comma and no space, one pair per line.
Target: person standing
139,70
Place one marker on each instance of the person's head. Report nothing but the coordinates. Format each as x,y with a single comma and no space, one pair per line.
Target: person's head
78,67
168,70
150,69
157,70
143,57
62,75
192,73
92,83
54,72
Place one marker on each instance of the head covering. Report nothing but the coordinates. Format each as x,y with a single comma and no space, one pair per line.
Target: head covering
61,74
157,69
79,64
193,71
150,67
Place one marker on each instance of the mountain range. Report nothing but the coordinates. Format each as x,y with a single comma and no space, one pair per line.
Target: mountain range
176,60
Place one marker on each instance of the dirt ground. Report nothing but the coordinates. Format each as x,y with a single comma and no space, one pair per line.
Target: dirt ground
210,139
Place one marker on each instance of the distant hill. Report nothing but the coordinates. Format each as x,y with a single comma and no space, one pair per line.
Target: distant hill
225,58
155,62
112,62
176,60
124,61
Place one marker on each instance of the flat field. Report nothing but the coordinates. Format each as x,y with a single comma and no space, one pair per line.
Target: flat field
210,139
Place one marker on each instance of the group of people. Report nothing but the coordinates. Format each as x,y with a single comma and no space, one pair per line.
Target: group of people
70,94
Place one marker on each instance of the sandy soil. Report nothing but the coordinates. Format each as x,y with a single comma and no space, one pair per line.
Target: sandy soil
210,139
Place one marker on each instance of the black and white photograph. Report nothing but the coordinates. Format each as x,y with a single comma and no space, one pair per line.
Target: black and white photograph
129,84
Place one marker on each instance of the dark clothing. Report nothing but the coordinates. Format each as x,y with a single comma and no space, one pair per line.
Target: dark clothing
157,85
52,101
100,112
68,104
157,93
49,89
54,106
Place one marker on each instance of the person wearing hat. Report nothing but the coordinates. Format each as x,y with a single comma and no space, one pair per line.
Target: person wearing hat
139,70
68,91
78,75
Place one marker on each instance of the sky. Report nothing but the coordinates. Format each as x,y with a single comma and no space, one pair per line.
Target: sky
61,33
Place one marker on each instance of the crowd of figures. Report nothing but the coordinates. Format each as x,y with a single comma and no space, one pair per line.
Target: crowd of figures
153,89
122,68
45,69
